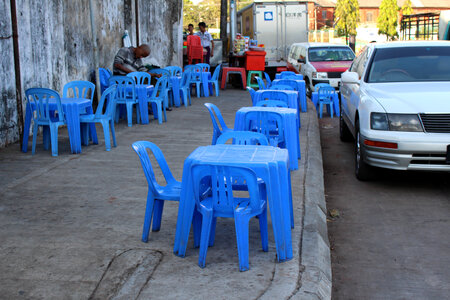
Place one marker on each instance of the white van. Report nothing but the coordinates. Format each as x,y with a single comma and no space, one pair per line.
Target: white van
319,63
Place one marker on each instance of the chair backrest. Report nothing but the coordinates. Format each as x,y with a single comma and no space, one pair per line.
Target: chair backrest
160,85
286,73
216,73
271,103
140,77
194,40
174,70
107,104
186,79
290,82
325,93
79,89
215,112
126,87
205,67
243,138
265,122
281,87
39,99
319,85
140,147
295,77
274,95
163,72
261,84
268,81
222,179
252,93
104,75
192,68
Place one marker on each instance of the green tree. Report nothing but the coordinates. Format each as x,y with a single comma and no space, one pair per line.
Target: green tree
347,17
388,19
407,8
207,11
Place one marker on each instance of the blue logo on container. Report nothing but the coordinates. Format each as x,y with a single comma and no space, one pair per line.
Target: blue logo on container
268,16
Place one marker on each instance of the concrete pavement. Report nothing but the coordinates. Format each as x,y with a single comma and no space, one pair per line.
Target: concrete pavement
70,226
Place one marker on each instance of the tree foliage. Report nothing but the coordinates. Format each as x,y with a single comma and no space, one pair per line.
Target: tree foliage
347,17
388,19
207,11
407,8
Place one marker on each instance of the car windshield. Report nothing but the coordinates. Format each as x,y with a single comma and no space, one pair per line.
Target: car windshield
410,64
330,54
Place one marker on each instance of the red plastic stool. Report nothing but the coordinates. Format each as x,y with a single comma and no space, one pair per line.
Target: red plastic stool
233,70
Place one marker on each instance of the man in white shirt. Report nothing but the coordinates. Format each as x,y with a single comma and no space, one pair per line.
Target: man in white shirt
207,42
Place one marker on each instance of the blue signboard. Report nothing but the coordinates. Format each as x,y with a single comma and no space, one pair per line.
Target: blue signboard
268,16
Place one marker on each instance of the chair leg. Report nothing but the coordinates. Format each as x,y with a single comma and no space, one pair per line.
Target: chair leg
157,214
320,110
138,113
113,132
85,133
197,227
54,139
212,234
35,129
148,216
130,114
165,115
105,125
204,240
331,109
241,220
159,109
46,136
263,230
197,87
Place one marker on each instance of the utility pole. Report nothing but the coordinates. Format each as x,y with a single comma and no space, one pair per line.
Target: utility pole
223,27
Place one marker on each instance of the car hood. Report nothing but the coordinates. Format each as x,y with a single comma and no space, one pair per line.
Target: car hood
331,66
412,97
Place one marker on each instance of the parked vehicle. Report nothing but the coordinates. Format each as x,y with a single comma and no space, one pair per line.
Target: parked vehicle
320,63
275,24
395,103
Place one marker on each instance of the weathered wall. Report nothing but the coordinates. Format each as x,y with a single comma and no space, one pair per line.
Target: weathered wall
55,43
8,111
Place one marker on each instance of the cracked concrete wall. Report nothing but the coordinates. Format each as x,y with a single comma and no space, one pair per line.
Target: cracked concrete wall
55,43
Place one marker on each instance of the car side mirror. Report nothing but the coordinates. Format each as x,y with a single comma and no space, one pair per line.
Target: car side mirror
350,77
301,60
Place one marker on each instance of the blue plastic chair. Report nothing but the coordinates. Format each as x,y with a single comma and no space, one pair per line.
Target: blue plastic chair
79,89
217,131
157,194
38,100
261,84
274,95
141,77
126,94
174,70
252,93
159,97
325,96
285,74
268,81
185,88
107,104
281,87
205,67
163,72
319,85
215,79
222,203
271,103
268,123
104,75
196,77
243,138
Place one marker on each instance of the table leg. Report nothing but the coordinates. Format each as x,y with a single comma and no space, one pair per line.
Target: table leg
336,104
205,84
176,91
73,127
92,129
143,104
302,94
283,175
26,128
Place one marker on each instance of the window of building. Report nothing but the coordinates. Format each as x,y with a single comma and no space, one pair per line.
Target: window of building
369,17
324,14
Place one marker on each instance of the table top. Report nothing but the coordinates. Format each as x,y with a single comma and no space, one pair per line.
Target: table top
281,110
284,91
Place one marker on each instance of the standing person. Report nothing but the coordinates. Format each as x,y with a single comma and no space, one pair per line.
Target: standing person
190,29
207,42
129,59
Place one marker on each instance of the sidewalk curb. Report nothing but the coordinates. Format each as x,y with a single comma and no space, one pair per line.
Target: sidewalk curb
316,278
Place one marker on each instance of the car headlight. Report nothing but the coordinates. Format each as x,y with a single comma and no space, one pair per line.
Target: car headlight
395,122
404,122
320,75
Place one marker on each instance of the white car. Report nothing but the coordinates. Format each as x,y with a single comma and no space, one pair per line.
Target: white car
319,63
395,103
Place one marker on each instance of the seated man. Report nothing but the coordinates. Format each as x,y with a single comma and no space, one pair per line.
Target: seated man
129,59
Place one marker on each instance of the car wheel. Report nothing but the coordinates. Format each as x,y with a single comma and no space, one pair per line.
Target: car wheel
363,171
308,88
344,133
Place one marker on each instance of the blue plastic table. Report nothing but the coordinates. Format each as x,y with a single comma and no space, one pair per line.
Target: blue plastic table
315,100
299,76
72,108
269,163
301,89
292,100
143,91
291,131
175,83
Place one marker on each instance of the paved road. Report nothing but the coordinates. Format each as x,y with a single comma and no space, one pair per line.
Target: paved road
392,238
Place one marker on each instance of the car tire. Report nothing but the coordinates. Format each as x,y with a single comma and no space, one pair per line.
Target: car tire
308,88
363,171
344,132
